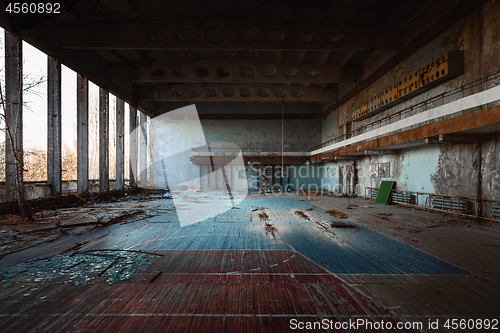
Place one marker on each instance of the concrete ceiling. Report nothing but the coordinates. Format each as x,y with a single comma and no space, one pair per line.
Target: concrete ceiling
152,51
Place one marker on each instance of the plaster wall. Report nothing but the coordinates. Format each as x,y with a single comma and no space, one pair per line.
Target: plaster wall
300,135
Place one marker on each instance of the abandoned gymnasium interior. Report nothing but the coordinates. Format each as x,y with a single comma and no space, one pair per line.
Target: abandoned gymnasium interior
250,166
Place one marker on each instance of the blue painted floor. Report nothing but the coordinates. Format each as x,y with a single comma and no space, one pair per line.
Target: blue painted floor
340,251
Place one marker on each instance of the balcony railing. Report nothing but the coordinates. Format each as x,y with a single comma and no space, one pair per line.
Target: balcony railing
468,89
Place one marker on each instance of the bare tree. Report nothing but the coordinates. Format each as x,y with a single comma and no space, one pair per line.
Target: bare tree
13,137
69,161
94,136
112,139
19,160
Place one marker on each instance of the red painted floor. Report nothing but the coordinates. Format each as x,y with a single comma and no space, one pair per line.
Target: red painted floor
199,291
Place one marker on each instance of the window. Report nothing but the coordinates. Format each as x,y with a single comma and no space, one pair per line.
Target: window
379,170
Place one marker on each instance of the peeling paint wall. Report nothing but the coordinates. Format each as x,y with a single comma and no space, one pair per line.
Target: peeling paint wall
458,170
490,169
417,168
447,169
338,177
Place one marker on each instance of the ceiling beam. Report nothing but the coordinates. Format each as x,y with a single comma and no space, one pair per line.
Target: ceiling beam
200,160
154,109
232,70
235,92
456,138
228,34
44,37
446,16
381,152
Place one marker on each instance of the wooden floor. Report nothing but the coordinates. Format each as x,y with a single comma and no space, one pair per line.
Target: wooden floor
197,291
272,262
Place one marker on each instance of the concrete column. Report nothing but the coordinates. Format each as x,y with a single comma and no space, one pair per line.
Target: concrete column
82,133
151,161
120,139
103,140
133,146
54,163
14,165
143,150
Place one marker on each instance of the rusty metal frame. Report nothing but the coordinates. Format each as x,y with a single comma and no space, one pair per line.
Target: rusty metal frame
427,206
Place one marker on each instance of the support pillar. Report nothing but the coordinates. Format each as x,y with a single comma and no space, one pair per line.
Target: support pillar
14,165
82,133
103,140
54,143
143,150
120,139
133,146
151,169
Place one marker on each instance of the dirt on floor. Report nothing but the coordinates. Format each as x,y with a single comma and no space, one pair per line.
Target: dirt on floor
302,215
468,243
336,214
270,229
263,216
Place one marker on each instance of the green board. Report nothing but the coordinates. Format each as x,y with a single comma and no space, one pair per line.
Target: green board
384,192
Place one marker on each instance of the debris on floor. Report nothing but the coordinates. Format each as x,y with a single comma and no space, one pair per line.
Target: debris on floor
315,192
167,194
263,216
302,215
80,268
338,224
382,215
270,229
336,214
323,224
95,211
